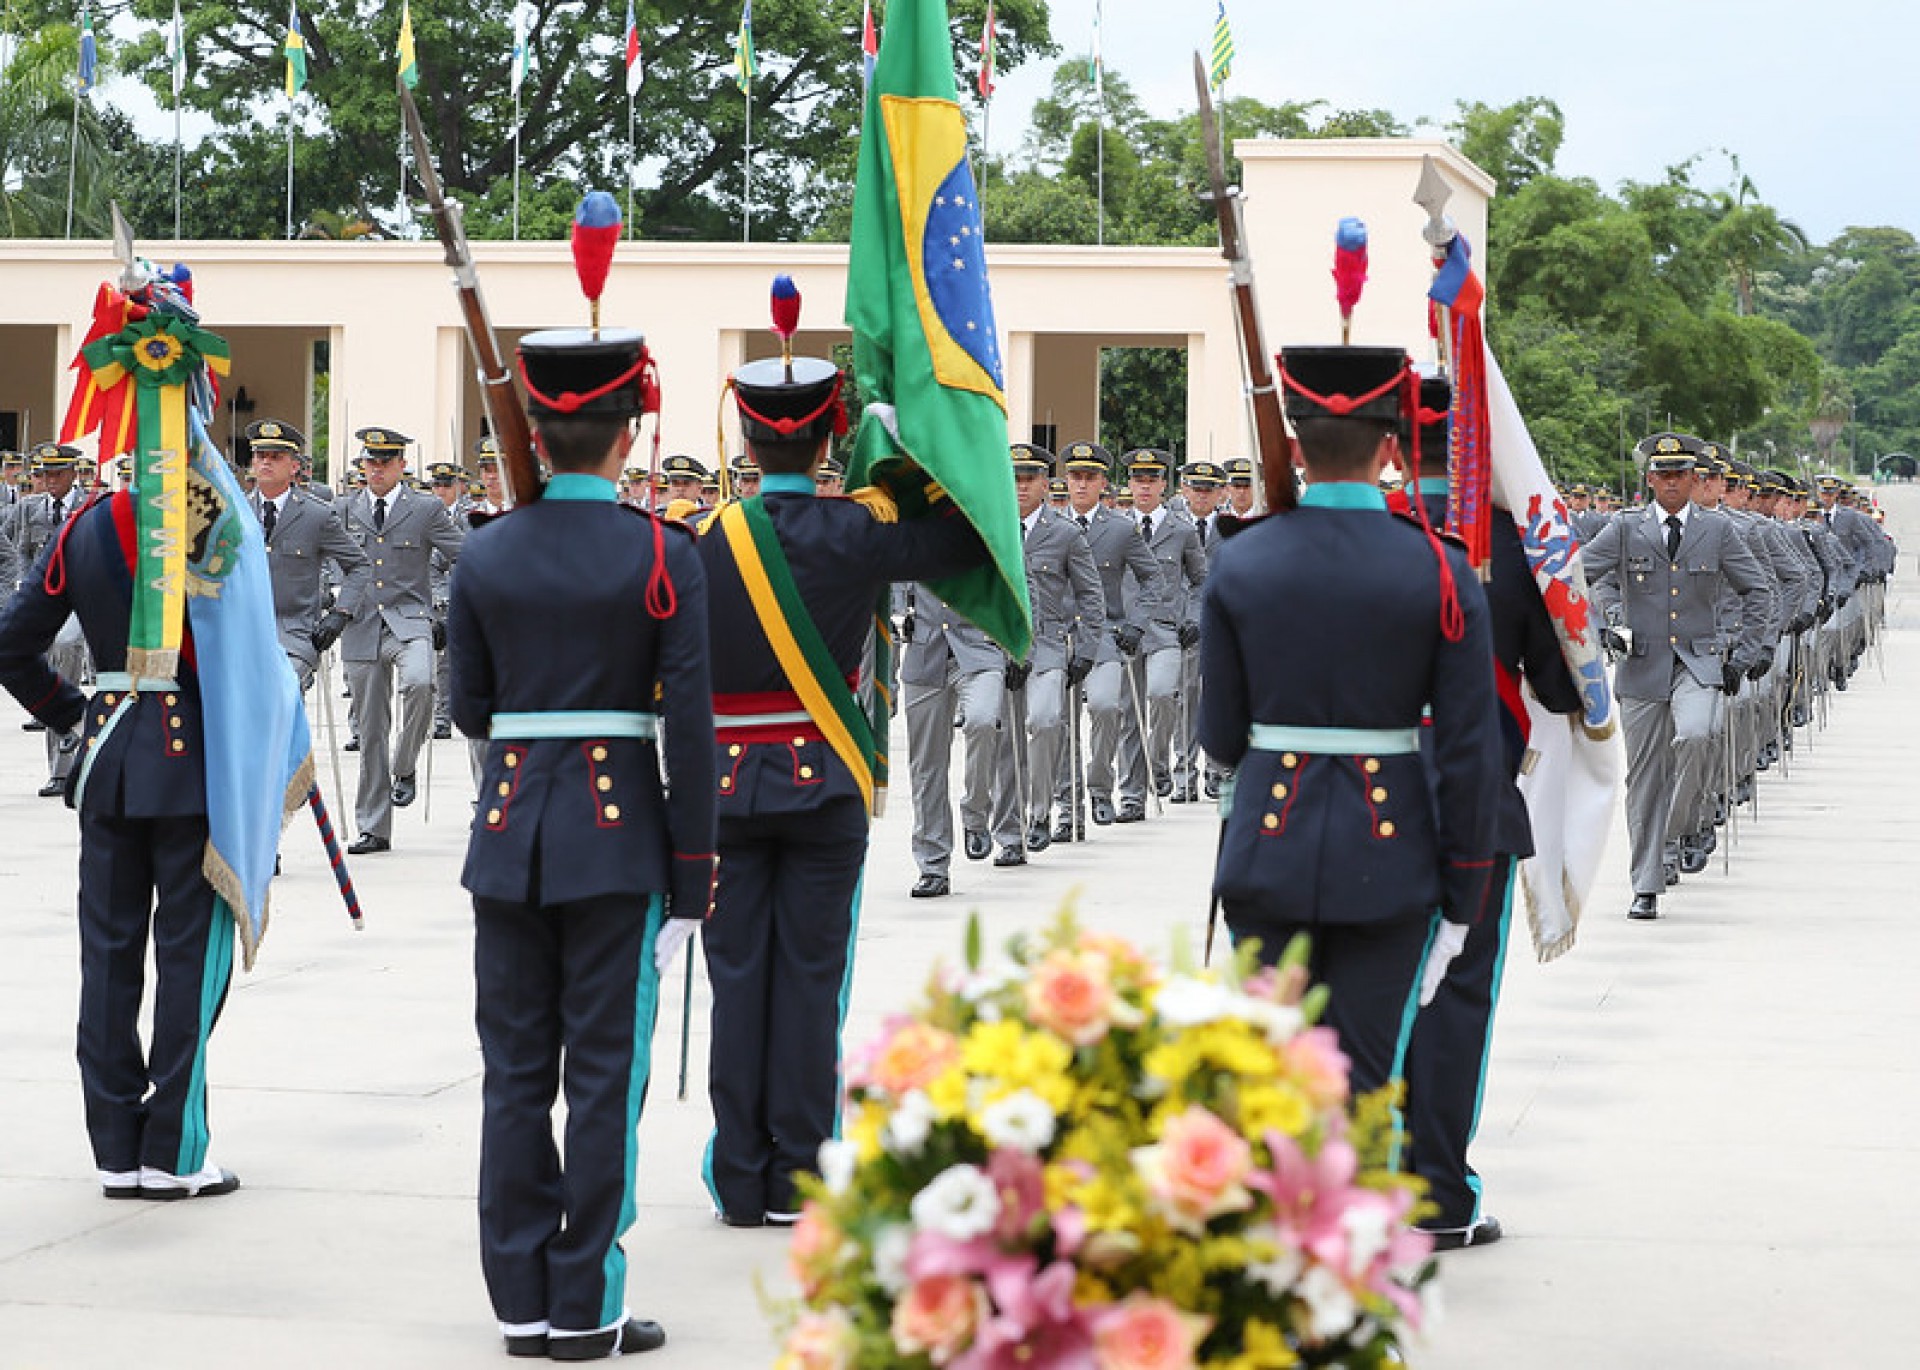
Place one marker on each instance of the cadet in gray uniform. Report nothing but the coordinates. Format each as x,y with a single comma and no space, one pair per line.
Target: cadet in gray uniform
1657,572
1204,485
1069,618
949,669
32,524
448,482
1174,629
1118,550
304,538
391,642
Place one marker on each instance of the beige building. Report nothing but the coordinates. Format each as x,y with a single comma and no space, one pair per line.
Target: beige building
380,320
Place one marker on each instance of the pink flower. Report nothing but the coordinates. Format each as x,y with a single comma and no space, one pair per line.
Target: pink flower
819,1341
1318,1066
1037,1326
938,1317
1070,993
1018,1179
913,1057
815,1248
1145,1333
1195,1171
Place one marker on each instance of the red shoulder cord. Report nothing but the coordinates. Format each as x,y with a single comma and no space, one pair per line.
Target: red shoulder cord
55,581
662,601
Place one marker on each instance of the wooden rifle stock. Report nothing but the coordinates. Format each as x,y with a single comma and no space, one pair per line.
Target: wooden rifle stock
507,414
1274,451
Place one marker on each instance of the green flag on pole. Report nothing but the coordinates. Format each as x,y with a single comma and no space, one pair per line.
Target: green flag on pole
746,62
409,60
296,52
925,351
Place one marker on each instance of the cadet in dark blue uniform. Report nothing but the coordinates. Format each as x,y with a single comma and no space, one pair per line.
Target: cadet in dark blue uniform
1333,829
793,818
578,634
140,789
1447,1056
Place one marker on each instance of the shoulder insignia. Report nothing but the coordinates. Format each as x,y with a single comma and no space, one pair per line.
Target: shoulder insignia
1412,520
877,502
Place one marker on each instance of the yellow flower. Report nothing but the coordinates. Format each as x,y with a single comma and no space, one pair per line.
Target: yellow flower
1016,1058
864,1132
1280,1108
1263,1348
949,1093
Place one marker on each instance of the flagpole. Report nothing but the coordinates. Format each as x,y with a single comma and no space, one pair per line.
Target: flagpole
632,159
746,174
176,166
516,161
73,154
292,99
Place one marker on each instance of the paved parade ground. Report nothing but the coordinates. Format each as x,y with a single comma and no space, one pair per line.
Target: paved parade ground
1701,1134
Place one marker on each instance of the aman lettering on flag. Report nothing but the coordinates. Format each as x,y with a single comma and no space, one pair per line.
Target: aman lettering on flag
926,353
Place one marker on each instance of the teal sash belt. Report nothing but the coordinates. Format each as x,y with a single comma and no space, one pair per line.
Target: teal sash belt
1287,737
574,723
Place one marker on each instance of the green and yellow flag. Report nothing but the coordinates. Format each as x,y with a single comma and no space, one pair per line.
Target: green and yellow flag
296,51
409,61
925,351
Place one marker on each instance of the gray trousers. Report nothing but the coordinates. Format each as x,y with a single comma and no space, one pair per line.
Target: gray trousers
1113,732
442,690
407,667
1045,707
979,699
1155,691
68,656
1186,737
1669,748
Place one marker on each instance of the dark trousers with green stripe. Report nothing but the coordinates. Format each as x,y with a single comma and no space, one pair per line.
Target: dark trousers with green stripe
1447,1066
140,877
565,997
779,954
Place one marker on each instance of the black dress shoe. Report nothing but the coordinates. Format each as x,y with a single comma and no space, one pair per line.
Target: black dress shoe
366,843
404,790
1693,857
1483,1233
33,725
1102,811
978,845
1212,787
352,744
1800,716
930,887
1644,906
1011,855
1131,811
630,1339
1163,785
1063,830
528,1346
211,1189
1039,839
1708,841
442,732
1180,795
54,788
1670,873
740,1219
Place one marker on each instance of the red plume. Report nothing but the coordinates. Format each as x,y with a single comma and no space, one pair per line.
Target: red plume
596,229
786,308
1349,265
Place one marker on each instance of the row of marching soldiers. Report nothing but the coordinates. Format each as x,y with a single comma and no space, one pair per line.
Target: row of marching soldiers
1116,555
1736,600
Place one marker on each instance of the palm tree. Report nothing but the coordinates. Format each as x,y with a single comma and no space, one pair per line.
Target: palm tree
1749,235
37,136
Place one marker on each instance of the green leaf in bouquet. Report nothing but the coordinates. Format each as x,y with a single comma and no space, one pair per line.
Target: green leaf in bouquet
1314,1003
973,942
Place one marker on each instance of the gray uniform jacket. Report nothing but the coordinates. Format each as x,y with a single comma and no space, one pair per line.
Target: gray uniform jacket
30,525
1183,570
401,592
1069,608
1861,537
941,636
1773,616
307,536
1587,524
1117,547
1670,605
1797,583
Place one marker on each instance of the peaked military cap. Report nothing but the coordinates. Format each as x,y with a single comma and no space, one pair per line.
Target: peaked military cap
383,442
743,464
1343,382
1239,470
1088,456
1031,460
1775,483
488,450
1123,497
272,435
1150,462
1826,481
683,467
443,472
831,468
55,456
1057,488
1667,451
633,473
1203,475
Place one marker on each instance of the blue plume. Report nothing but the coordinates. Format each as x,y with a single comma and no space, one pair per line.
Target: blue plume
597,210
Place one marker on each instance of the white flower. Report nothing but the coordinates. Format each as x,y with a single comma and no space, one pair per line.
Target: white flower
958,1203
1020,1122
1184,1001
1278,1274
1281,1023
908,1124
1329,1302
890,1247
837,1160
1369,1229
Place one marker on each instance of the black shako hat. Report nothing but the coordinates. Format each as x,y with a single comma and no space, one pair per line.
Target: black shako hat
798,406
1343,382
607,373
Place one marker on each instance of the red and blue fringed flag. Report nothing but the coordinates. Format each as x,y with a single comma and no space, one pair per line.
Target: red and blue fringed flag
1458,296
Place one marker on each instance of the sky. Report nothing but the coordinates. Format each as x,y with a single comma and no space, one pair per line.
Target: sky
1819,101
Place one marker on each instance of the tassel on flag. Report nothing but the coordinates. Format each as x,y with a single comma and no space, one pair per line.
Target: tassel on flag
1221,65
988,54
636,69
409,63
869,40
89,54
296,52
746,65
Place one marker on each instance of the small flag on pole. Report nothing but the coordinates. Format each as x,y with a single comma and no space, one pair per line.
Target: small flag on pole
988,52
1221,67
177,52
89,53
869,40
517,74
1096,68
296,52
746,65
636,69
409,62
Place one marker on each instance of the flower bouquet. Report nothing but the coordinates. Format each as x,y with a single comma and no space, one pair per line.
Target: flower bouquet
1078,1160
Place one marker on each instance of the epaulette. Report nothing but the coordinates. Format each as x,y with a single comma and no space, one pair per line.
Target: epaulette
877,502
1408,517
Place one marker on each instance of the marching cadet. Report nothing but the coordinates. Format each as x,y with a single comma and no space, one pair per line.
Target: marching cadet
1797,581
1204,486
13,467
1658,574
1585,520
448,482
745,474
784,568
492,500
1069,618
1334,830
950,669
1172,629
33,525
1859,539
1118,551
1057,494
587,875
1239,503
684,476
634,490
389,645
831,477
304,538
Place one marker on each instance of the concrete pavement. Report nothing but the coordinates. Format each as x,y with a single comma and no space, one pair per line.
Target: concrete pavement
1699,1132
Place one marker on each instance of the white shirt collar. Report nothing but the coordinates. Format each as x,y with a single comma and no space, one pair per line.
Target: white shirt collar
1685,514
1032,521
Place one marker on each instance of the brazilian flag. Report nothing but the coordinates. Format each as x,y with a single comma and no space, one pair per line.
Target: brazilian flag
925,351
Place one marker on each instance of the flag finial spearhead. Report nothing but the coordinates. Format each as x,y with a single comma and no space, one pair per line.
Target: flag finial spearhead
1432,195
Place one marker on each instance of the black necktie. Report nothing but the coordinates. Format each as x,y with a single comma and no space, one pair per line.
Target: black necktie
380,513
1673,537
1084,525
269,515
1202,525
1146,527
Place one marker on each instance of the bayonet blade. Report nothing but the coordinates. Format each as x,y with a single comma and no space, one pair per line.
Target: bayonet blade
1432,195
1210,131
133,272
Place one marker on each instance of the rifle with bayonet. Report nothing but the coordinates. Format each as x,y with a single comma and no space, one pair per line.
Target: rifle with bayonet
505,409
1274,451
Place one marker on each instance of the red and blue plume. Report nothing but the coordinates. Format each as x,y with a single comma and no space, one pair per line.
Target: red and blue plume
1349,268
786,309
596,228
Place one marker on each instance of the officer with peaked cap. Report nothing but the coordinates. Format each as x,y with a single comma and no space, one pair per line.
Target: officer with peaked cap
304,539
491,502
1172,630
389,645
793,806
33,525
1334,830
578,632
1204,485
1239,488
1119,553
745,473
1658,574
683,475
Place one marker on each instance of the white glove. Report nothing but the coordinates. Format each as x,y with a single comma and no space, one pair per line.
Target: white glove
1447,944
674,934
